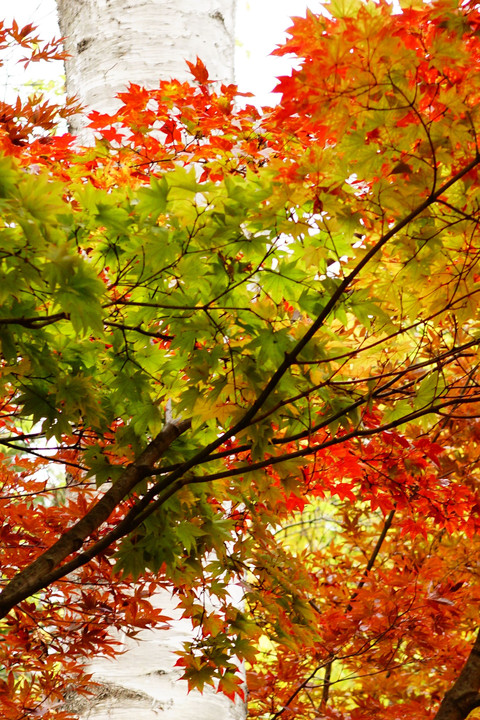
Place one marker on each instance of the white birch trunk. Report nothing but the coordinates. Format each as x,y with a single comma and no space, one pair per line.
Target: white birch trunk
112,43
142,682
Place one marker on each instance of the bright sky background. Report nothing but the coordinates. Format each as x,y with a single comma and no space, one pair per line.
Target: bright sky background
261,25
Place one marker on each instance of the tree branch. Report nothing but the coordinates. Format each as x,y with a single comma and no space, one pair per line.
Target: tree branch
32,578
329,663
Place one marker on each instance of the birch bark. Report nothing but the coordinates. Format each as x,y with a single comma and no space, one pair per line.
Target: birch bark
142,682
112,43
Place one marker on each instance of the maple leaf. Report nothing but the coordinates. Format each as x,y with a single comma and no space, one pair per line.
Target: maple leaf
199,71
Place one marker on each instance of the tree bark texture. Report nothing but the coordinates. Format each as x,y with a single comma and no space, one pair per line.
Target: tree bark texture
114,42
141,682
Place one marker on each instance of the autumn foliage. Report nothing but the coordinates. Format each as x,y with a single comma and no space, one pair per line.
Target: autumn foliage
240,349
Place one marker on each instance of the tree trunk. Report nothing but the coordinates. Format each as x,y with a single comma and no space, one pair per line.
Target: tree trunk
464,695
112,43
142,682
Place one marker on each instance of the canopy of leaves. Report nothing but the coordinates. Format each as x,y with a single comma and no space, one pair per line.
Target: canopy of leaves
252,341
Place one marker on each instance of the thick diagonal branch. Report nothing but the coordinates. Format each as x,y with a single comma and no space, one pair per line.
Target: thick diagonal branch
30,580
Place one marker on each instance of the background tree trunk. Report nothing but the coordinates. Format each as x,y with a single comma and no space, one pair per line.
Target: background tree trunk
112,43
142,682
